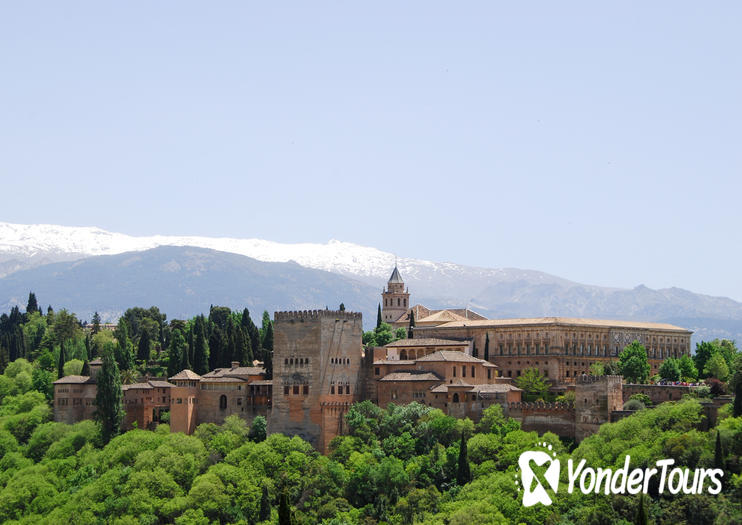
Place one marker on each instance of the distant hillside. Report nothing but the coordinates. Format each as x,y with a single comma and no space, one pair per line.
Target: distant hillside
183,281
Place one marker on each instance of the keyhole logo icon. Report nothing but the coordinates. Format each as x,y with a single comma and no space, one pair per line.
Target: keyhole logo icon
534,485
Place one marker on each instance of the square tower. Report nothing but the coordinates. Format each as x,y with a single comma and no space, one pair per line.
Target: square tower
316,367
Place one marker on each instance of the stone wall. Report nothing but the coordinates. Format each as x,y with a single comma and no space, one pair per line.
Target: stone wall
657,393
558,418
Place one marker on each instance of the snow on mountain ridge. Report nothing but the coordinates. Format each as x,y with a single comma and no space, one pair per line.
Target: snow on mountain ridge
335,256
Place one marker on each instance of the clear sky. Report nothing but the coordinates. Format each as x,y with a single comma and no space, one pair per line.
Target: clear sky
598,143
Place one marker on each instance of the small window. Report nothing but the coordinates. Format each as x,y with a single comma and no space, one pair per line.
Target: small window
222,402
286,390
306,390
377,371
296,390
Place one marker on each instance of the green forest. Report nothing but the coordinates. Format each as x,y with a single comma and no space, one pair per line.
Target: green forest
398,465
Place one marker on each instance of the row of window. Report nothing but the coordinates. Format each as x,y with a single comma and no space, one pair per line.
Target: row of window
463,371
296,390
301,361
340,360
340,388
189,400
390,302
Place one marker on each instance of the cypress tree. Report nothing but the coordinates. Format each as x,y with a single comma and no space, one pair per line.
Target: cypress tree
32,305
60,363
85,369
412,324
718,452
268,363
268,340
737,407
123,352
284,509
217,346
200,347
109,410
641,512
342,307
487,347
378,317
177,354
265,506
249,327
143,349
463,474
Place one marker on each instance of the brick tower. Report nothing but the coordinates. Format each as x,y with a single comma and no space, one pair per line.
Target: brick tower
395,299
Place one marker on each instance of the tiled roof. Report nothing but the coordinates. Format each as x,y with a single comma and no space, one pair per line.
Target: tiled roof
160,384
563,321
185,375
74,380
96,361
222,379
395,362
137,386
450,355
444,316
262,382
407,376
496,388
236,372
425,341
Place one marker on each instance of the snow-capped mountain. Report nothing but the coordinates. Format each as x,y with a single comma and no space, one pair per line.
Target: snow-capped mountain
494,292
42,243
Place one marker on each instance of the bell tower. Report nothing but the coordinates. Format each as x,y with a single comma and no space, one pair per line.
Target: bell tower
395,299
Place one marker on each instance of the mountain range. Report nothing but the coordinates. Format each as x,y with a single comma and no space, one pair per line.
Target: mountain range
87,269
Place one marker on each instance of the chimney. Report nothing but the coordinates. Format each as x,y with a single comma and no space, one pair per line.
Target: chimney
235,364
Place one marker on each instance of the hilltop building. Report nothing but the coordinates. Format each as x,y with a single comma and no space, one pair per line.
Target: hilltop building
395,309
457,361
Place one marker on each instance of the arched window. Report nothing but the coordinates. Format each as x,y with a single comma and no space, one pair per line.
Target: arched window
222,402
456,398
399,302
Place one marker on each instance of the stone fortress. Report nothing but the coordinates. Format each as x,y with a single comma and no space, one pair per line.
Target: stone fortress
456,360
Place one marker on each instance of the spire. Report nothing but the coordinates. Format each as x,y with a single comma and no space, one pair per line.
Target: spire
396,278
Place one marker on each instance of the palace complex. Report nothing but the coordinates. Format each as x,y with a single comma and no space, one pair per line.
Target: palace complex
456,360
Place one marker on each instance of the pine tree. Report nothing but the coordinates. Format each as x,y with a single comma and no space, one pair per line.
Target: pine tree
378,317
143,349
32,305
108,400
284,509
412,324
60,363
265,506
96,323
200,347
463,474
487,347
642,517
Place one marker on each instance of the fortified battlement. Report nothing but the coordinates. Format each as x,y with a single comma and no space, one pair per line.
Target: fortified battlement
595,379
555,406
301,315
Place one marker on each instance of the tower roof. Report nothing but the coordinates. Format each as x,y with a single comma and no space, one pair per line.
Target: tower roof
396,278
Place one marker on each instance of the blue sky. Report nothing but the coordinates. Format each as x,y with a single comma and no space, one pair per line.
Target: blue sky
599,143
